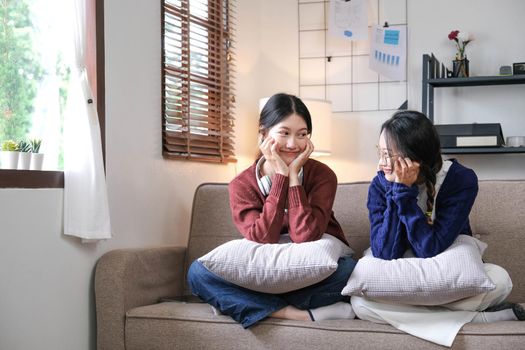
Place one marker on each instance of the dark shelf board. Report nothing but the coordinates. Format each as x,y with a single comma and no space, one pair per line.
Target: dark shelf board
482,150
478,81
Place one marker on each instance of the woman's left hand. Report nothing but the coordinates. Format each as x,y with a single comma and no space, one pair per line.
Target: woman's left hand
406,171
297,163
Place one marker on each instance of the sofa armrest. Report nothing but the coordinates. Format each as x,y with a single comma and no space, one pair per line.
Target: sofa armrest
129,278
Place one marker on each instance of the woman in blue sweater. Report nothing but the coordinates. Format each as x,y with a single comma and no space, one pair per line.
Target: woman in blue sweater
401,197
418,205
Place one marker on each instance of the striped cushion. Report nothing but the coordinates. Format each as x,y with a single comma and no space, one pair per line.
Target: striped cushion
276,268
455,274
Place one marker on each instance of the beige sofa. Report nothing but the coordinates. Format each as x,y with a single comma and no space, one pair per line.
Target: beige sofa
130,283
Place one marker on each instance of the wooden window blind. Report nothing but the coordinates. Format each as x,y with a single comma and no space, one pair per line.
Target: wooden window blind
197,89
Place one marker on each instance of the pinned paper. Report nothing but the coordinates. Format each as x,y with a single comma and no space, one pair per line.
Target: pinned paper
348,19
388,51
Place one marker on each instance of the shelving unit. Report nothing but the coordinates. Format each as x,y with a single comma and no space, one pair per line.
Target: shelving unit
435,75
478,81
482,150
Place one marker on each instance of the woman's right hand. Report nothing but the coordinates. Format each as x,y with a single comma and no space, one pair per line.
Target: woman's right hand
269,148
406,171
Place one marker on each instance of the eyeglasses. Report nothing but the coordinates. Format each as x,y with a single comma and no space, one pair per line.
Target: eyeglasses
384,155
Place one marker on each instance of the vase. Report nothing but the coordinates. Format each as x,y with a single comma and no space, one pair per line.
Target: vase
24,160
460,68
9,159
36,161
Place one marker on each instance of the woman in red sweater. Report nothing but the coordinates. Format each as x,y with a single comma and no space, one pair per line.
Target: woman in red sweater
283,192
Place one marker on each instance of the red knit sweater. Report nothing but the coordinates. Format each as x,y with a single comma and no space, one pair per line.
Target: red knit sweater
309,206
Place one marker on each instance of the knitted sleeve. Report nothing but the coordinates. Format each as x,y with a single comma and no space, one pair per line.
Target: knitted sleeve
388,239
309,212
453,204
257,219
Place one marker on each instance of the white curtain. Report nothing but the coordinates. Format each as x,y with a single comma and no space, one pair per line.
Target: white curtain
86,210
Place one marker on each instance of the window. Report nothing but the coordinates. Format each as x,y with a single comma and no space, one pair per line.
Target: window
34,69
30,35
197,91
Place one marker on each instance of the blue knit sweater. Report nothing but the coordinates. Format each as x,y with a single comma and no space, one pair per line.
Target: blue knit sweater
398,223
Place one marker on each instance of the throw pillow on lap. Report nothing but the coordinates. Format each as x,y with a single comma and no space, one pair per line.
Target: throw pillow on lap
276,268
454,274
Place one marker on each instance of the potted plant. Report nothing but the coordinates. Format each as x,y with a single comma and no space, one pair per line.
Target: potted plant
9,154
24,159
36,158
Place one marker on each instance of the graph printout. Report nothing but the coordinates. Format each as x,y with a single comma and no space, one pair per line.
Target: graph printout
388,51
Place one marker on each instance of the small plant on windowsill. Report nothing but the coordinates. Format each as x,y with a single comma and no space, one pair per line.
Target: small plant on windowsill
9,155
24,159
35,145
9,146
24,146
36,158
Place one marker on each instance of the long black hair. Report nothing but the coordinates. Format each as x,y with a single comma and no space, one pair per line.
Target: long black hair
414,136
279,107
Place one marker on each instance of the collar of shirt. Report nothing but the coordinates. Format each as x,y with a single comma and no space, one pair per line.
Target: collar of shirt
440,177
265,182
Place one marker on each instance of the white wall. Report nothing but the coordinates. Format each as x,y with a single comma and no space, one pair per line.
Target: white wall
46,278
496,27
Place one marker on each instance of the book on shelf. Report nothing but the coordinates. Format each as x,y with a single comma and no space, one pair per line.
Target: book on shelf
470,135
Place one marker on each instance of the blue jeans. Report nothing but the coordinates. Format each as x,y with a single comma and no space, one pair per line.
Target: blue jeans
248,307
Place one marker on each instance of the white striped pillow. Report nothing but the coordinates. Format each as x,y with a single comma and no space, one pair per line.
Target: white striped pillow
276,268
455,274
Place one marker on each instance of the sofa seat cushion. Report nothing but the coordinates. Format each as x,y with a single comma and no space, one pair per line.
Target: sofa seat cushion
174,325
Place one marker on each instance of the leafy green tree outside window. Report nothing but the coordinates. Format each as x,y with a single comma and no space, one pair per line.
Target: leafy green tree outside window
34,74
20,69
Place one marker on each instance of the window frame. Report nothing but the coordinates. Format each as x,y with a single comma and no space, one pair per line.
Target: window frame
11,178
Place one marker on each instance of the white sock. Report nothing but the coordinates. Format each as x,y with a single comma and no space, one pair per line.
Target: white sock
495,316
216,311
338,311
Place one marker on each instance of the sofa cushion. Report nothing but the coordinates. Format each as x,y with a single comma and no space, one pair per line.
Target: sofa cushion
276,268
455,274
498,218
352,214
194,326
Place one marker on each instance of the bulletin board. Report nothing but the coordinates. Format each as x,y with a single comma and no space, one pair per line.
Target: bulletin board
336,69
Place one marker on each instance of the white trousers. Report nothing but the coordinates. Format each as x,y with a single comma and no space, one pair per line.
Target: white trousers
438,324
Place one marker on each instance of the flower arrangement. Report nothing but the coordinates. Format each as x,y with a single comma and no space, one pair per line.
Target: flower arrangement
462,40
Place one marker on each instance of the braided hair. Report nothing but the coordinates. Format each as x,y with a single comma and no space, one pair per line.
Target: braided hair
415,137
